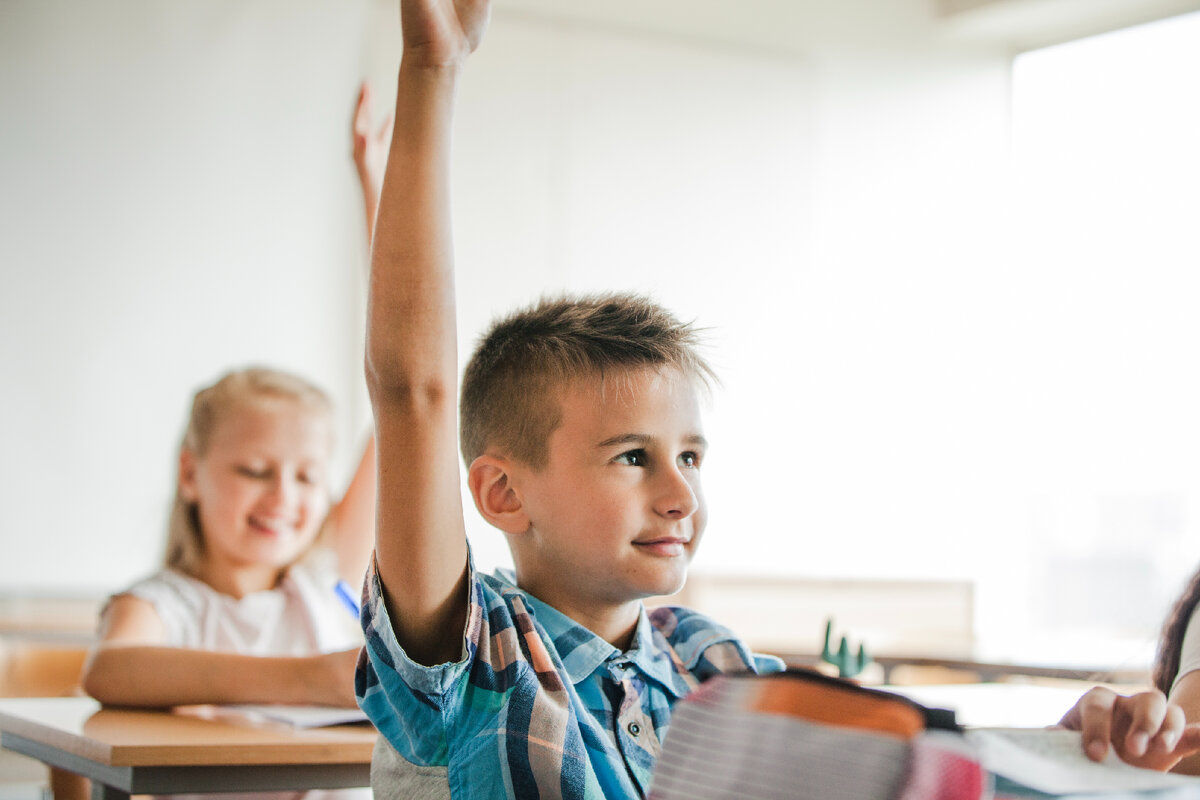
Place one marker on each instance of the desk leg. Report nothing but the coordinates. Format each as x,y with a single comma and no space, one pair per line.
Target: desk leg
102,792
66,785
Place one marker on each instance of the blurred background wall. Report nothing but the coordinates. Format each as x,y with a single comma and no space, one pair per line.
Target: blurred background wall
920,350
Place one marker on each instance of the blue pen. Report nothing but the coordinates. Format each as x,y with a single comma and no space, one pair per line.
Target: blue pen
346,595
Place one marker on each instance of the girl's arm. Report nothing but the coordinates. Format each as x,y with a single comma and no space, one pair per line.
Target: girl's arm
370,154
131,667
352,520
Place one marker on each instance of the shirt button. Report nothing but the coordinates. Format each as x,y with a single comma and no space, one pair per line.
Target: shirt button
634,729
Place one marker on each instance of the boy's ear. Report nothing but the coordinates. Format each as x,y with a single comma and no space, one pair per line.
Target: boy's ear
490,480
187,475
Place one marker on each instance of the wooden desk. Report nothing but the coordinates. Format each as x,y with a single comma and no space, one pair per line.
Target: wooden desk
201,749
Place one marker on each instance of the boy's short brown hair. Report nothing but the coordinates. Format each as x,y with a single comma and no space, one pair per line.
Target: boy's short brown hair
512,383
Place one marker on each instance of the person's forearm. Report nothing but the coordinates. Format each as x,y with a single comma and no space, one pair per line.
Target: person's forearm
169,676
412,373
370,192
411,325
353,520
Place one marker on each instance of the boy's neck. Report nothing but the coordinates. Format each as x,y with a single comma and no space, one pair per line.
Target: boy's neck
615,624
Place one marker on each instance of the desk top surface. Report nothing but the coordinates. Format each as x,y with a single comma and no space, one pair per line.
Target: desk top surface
193,736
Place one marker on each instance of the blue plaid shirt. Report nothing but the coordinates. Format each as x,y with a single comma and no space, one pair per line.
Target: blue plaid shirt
540,707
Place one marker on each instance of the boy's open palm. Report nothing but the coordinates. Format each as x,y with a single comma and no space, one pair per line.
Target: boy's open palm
442,32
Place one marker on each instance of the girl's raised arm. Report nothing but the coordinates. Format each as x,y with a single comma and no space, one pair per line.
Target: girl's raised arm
352,520
370,145
353,517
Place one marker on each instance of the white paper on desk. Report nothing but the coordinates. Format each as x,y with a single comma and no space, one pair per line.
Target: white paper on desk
1053,761
303,716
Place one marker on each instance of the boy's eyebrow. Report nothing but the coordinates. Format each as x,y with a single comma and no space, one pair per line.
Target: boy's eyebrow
644,439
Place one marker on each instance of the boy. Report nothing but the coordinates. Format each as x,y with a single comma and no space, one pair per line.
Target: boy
581,430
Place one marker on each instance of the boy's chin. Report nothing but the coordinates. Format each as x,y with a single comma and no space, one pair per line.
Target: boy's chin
666,586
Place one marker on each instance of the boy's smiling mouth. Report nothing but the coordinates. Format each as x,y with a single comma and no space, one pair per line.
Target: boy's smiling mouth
664,545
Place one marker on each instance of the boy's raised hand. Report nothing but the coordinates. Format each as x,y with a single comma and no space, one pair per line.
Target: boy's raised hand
442,32
1144,729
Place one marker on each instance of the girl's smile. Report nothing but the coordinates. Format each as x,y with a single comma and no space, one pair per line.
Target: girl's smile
259,490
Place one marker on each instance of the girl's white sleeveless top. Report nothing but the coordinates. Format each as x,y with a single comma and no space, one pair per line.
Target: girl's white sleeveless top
302,616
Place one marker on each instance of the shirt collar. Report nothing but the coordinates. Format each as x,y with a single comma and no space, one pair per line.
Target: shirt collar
583,652
580,650
653,654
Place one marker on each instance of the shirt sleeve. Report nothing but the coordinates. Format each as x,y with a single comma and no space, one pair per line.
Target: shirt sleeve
405,700
765,664
177,603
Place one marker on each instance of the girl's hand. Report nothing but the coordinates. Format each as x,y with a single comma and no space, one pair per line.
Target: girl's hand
1144,729
370,147
332,679
440,33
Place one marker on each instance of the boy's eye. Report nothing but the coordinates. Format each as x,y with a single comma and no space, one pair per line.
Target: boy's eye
689,459
632,458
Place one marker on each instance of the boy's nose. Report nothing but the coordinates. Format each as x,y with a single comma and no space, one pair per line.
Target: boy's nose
677,497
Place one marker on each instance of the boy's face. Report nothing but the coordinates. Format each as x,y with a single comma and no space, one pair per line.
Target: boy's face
617,512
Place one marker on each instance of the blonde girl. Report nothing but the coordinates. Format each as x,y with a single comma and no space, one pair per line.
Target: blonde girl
245,609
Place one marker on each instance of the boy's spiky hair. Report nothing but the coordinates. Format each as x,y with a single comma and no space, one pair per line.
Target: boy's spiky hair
512,384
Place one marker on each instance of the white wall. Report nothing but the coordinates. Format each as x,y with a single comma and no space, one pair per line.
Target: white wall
182,202
177,198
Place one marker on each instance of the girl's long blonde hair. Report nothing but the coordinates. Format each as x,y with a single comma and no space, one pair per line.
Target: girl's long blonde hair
185,540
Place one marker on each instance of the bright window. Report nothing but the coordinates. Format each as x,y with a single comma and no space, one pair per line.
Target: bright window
1106,143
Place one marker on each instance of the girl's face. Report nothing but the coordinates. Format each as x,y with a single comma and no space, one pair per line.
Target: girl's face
260,488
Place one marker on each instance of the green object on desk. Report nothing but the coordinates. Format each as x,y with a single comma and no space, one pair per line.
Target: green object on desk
848,665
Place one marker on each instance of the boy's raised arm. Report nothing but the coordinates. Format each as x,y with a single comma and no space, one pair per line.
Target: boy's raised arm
411,361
